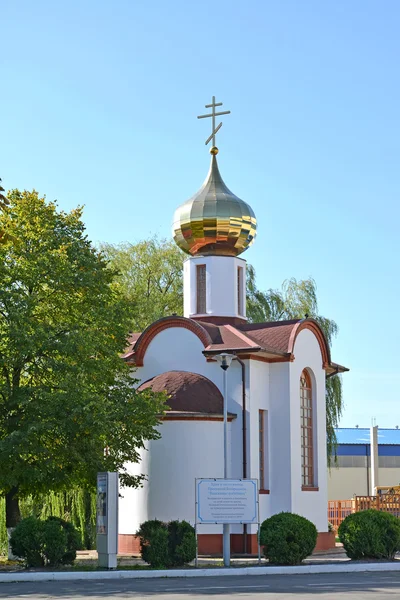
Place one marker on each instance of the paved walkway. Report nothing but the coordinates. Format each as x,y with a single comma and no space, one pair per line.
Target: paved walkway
349,586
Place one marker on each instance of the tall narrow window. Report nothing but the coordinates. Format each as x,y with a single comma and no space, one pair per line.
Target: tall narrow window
201,289
263,448
240,290
307,434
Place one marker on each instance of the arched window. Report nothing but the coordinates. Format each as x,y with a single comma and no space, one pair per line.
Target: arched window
307,433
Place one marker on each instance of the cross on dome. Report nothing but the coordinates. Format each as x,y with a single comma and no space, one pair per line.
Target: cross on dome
213,114
214,222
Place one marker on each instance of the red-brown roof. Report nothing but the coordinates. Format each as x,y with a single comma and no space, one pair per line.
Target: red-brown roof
187,392
275,336
274,340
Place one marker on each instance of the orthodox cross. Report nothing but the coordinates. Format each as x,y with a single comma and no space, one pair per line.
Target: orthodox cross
214,114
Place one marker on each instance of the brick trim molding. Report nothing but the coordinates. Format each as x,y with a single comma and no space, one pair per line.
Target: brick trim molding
211,544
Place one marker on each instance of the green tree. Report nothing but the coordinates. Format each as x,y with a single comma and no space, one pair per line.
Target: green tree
3,205
150,278
67,405
295,300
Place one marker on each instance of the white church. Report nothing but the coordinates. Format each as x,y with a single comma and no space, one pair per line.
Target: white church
276,386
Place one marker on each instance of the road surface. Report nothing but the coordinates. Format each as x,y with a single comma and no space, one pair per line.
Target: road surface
343,586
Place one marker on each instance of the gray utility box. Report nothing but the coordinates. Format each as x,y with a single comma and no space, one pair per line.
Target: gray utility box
107,519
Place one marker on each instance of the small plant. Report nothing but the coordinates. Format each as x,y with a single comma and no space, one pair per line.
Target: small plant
287,538
45,543
27,541
331,528
370,534
54,543
154,543
181,543
72,539
164,545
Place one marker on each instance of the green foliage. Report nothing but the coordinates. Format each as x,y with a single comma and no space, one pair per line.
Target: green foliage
54,543
164,545
3,530
154,543
27,541
370,534
63,328
287,538
296,300
181,543
150,277
71,542
51,543
3,206
76,507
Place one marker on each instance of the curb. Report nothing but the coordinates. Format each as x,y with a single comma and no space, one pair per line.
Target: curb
223,572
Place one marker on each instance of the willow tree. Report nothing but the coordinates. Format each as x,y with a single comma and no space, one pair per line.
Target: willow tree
65,393
295,300
150,277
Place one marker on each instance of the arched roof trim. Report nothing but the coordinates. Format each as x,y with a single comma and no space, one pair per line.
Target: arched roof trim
155,328
315,328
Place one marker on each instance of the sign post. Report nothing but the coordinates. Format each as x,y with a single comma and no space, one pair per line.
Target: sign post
226,501
107,519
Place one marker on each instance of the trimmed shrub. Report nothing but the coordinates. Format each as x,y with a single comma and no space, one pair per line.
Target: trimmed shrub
52,542
27,541
164,545
370,534
154,543
181,543
287,538
72,539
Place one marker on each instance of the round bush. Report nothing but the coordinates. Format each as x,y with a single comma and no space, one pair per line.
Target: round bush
27,541
370,534
181,543
52,542
69,541
154,543
164,545
287,538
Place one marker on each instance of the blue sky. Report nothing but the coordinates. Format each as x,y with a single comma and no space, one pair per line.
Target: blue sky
98,107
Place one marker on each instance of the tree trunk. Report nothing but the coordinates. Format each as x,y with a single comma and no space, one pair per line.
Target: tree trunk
13,516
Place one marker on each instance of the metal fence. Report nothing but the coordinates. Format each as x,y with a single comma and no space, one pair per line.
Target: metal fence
338,510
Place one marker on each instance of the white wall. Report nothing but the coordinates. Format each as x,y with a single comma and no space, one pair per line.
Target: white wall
187,449
190,449
310,504
221,285
257,399
280,442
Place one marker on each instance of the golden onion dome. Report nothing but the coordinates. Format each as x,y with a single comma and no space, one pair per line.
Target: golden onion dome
214,221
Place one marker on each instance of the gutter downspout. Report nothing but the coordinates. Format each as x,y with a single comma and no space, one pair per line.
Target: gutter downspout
244,439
